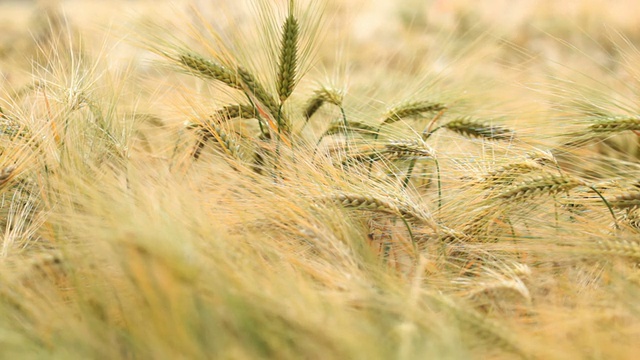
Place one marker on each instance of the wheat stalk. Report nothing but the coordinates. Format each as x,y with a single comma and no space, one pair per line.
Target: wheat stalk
483,327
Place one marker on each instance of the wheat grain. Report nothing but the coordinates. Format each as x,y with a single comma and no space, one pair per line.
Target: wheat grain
254,88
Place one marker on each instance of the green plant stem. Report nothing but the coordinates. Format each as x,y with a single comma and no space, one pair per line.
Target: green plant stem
613,215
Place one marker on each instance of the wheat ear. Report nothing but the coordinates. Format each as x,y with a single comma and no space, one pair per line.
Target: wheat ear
615,123
478,129
256,89
321,96
543,185
371,203
620,247
209,70
505,175
214,131
288,57
412,109
626,201
237,111
398,150
339,127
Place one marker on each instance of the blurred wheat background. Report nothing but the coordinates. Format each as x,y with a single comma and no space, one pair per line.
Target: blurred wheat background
319,179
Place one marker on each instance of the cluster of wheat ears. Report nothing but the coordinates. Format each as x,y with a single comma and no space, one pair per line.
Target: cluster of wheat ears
264,214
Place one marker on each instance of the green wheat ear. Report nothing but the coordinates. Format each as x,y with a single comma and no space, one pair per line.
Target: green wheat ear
469,127
288,57
208,69
321,96
412,109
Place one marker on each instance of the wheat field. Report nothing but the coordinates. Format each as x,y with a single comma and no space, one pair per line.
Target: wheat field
319,179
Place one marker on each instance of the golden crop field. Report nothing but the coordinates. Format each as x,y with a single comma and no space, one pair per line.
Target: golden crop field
319,179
